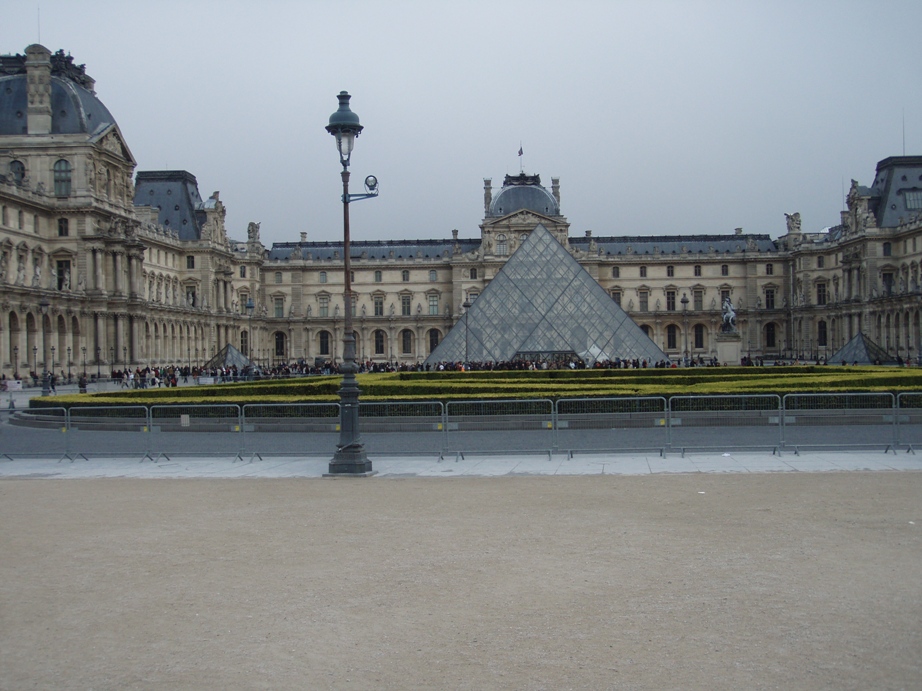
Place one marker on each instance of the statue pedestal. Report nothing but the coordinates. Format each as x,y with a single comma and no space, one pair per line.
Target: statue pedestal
729,348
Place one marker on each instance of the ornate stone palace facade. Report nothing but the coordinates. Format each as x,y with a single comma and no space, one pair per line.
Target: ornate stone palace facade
102,267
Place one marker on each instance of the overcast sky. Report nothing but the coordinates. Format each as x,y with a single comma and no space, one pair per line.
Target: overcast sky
658,117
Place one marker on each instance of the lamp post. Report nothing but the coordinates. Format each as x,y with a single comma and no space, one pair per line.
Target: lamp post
350,457
46,380
466,306
684,302
250,306
15,362
125,355
68,363
98,350
83,348
34,360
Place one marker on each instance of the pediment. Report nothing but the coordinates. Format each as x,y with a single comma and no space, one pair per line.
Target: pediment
111,140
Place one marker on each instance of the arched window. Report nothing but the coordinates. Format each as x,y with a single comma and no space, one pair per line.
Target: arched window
502,247
62,178
770,335
699,336
434,336
324,342
671,337
646,330
406,342
18,172
379,342
821,334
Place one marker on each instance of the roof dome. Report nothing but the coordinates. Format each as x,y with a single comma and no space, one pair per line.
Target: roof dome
75,109
524,192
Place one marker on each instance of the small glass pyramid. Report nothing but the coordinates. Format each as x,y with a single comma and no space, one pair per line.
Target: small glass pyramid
543,305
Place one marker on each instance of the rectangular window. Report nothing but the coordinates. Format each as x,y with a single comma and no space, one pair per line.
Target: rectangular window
278,276
615,272
190,262
724,270
64,280
243,272
697,269
379,307
406,341
670,300
769,269
405,276
820,262
616,296
405,305
724,296
888,283
244,299
63,227
644,297
324,306
820,293
279,307
670,271
699,337
433,276
913,199
769,298
378,277
698,303
433,304
643,272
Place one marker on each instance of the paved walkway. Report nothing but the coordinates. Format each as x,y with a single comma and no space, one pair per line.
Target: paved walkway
470,466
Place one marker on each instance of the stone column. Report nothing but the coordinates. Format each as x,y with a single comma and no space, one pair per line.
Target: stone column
117,278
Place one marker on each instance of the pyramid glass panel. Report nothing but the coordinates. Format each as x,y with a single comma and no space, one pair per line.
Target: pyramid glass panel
543,304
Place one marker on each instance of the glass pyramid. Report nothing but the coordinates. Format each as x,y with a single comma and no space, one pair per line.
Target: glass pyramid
543,305
227,357
863,351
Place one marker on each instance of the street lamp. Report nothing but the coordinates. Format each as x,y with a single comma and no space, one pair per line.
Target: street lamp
684,302
68,363
83,348
466,307
34,360
350,457
46,381
15,362
98,349
124,355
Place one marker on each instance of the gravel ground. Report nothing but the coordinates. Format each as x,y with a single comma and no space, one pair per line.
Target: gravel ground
790,581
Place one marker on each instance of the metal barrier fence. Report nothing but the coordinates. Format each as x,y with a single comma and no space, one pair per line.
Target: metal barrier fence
612,424
720,422
836,420
605,425
909,420
525,426
217,427
288,429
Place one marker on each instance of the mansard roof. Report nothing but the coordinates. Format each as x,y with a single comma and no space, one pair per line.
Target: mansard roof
75,109
656,245
372,249
174,193
895,176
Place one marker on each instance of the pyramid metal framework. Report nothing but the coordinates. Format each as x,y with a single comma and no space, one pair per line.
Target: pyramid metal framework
862,350
543,304
227,357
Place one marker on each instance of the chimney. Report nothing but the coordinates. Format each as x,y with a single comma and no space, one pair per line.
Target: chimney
454,235
487,195
303,236
739,231
555,189
38,78
588,233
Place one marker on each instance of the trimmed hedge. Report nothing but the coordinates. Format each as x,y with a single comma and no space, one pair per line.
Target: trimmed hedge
553,384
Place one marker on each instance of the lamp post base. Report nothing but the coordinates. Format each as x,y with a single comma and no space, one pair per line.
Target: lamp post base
350,461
